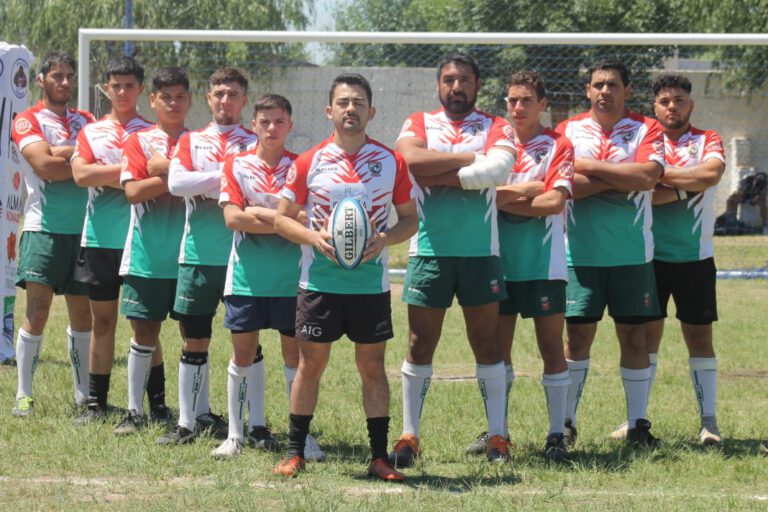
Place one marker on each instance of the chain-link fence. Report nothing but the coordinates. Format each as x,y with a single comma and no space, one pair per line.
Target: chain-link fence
404,80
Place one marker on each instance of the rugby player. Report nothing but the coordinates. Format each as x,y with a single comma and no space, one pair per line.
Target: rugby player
96,165
333,301
250,188
149,262
619,157
532,242
53,220
457,155
683,225
195,175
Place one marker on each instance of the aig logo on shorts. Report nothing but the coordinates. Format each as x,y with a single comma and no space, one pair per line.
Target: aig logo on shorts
312,330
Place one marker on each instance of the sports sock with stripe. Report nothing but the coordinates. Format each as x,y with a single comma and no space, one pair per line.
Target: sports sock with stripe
491,379
191,382
27,355
238,390
257,381
578,371
78,345
636,390
416,379
139,362
556,392
704,379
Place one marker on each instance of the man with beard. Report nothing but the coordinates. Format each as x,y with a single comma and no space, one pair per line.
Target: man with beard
333,301
457,155
619,157
195,175
53,219
683,224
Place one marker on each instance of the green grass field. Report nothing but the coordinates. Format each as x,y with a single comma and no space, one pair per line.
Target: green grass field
49,464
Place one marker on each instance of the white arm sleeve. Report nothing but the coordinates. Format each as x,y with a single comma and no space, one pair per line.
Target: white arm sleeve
489,172
182,182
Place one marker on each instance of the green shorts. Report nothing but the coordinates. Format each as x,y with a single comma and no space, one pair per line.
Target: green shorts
199,290
146,298
534,298
432,281
50,259
629,292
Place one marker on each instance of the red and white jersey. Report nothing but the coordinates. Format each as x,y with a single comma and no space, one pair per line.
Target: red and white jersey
533,248
250,181
195,174
52,206
108,212
683,230
452,221
612,228
320,178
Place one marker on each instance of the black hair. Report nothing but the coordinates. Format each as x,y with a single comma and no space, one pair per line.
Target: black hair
606,64
125,66
169,76
351,79
270,101
669,81
459,58
56,57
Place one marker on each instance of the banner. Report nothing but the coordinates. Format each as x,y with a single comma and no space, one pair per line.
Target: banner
14,91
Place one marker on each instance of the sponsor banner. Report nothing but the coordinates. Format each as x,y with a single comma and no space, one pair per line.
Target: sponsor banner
15,79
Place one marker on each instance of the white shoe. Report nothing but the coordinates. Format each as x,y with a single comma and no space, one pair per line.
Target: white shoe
230,448
620,433
312,451
709,435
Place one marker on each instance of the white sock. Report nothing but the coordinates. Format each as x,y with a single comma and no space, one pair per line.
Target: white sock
27,354
203,404
704,378
509,378
653,357
556,392
636,391
238,389
257,381
139,364
491,379
579,371
191,384
416,380
290,375
78,344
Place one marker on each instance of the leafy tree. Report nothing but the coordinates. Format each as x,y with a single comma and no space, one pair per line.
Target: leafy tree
46,25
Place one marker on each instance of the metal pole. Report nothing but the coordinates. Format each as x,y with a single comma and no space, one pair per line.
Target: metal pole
84,71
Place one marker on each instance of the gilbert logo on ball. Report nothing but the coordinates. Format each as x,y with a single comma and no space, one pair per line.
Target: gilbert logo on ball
350,228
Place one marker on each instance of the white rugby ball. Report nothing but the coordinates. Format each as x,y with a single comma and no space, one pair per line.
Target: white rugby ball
350,229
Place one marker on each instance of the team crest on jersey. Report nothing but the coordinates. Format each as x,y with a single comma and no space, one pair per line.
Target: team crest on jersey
124,164
626,138
566,170
241,146
23,125
545,304
375,168
509,133
75,126
291,176
539,155
693,148
494,285
658,147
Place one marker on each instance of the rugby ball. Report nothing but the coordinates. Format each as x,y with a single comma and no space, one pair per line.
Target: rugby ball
350,229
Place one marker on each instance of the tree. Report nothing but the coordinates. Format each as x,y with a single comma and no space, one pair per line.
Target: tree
561,66
46,25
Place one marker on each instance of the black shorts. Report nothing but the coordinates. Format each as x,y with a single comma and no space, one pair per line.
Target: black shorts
99,268
326,317
692,285
248,314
